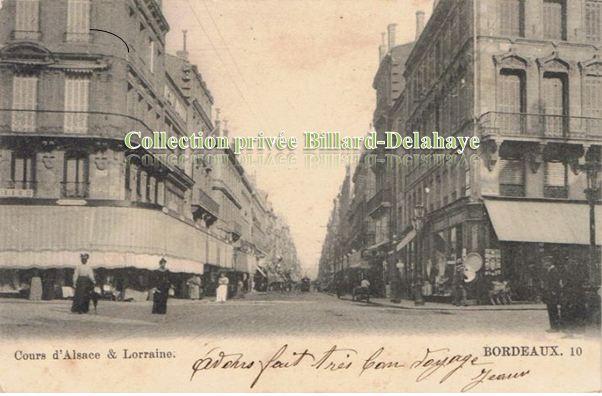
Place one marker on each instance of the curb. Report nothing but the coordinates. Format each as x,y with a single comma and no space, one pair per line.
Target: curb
475,308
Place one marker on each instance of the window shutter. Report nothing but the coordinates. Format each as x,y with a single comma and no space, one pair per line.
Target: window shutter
78,19
593,20
76,100
593,97
24,98
552,19
27,18
555,175
511,172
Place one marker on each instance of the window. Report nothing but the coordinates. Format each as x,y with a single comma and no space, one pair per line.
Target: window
593,20
592,104
556,176
151,55
22,171
512,17
25,97
78,20
511,101
512,178
554,19
27,19
555,103
76,102
75,176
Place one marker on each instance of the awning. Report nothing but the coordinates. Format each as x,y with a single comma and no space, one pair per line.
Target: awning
406,239
36,236
377,245
357,261
98,259
261,271
547,222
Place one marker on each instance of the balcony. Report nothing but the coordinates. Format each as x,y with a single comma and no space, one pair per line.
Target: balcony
203,200
70,123
382,199
539,126
75,189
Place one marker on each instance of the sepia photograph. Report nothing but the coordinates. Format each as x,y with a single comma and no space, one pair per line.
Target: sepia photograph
300,195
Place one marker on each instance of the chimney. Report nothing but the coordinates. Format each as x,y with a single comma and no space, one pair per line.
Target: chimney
382,49
419,23
391,34
184,52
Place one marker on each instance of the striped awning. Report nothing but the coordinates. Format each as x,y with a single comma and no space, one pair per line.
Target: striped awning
54,236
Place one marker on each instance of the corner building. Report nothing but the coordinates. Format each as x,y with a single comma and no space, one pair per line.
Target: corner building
526,77
68,95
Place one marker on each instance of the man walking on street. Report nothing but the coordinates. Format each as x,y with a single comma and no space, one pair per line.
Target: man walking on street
552,292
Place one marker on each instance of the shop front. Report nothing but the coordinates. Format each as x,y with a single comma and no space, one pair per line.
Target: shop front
124,245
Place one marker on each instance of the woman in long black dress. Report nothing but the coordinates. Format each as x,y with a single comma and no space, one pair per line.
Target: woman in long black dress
83,280
161,288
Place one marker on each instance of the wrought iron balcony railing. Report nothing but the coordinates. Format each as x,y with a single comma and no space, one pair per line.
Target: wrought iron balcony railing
60,122
75,189
547,126
203,200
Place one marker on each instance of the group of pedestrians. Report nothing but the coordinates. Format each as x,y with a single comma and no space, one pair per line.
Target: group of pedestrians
84,281
564,295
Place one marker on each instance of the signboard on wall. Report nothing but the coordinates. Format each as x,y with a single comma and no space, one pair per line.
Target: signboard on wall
16,192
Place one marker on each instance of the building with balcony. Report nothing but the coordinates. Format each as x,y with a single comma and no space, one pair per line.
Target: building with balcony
524,76
68,96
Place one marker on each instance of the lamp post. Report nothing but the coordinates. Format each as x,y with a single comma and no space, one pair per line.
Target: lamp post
418,223
592,168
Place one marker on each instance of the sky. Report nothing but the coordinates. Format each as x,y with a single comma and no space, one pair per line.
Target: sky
292,66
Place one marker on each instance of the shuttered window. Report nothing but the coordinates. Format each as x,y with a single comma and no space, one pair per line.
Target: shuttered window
78,20
511,172
23,170
511,17
151,55
555,107
76,102
593,20
554,19
28,16
75,178
593,97
25,97
555,174
511,103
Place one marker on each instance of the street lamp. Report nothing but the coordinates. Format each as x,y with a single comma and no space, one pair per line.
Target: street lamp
418,223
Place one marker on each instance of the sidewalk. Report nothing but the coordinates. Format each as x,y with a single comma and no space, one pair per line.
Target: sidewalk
433,306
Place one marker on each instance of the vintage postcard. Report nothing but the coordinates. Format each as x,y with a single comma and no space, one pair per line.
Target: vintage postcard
300,195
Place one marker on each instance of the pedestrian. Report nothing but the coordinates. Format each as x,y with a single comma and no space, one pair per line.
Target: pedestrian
552,292
35,288
572,305
161,288
365,286
83,279
221,294
194,287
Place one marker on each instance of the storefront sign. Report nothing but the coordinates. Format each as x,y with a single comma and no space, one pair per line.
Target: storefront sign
16,192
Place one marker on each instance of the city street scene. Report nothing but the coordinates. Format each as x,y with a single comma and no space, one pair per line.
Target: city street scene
100,237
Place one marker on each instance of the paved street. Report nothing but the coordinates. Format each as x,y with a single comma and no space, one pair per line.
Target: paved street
259,314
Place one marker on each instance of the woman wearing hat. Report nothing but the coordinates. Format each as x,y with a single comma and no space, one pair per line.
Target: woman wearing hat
161,288
83,279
